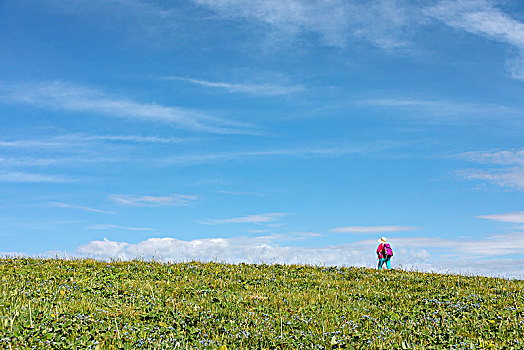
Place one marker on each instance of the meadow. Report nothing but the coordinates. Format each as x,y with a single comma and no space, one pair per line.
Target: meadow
88,304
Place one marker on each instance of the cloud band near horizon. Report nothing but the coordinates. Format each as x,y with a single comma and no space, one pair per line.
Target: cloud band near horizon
490,256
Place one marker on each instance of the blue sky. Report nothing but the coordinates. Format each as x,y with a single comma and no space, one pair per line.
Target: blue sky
268,131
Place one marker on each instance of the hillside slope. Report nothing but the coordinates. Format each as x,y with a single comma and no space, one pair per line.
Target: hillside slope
90,304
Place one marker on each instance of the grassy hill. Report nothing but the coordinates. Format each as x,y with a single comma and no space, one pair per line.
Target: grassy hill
89,304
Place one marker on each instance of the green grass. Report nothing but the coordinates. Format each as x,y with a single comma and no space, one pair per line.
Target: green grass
89,304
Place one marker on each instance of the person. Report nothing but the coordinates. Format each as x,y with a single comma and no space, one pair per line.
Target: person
384,253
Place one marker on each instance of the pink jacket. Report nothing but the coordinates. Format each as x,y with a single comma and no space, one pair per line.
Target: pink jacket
379,251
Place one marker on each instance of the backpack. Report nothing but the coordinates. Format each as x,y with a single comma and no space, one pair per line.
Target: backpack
386,250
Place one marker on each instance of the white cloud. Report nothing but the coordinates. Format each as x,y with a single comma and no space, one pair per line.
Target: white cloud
120,7
116,227
30,161
251,89
413,102
507,168
232,250
383,23
386,24
253,219
24,177
472,248
517,217
506,157
479,17
153,201
512,178
73,140
124,138
306,152
84,156
483,18
240,193
422,254
372,229
287,237
74,98
445,110
73,149
29,144
137,18
80,207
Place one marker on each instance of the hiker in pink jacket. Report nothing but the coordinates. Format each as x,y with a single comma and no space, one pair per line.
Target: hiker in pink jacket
384,253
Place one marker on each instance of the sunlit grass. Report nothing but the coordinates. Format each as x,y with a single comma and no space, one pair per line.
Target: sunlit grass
86,304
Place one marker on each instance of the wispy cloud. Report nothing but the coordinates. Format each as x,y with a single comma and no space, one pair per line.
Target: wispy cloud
288,237
511,178
140,18
124,138
372,229
116,227
33,159
480,247
24,177
73,140
445,110
251,89
305,152
57,160
385,24
388,25
29,144
251,219
259,231
241,193
80,207
74,98
516,217
501,157
29,161
121,7
507,167
413,102
335,22
153,201
482,18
